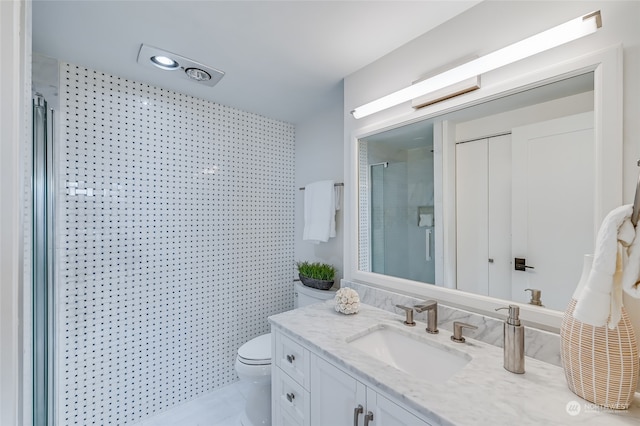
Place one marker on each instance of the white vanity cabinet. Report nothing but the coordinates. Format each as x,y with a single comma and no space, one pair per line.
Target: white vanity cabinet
307,390
290,397
335,395
387,412
329,376
338,399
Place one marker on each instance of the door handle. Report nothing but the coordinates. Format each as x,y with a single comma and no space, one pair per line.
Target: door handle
521,264
368,418
356,413
428,244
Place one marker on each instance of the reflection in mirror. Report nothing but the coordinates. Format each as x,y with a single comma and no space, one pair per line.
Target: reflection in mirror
400,202
523,169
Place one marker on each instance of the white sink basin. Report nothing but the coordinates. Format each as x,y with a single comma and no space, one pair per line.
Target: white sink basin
420,358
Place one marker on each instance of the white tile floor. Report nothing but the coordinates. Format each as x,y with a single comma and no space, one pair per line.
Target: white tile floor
221,407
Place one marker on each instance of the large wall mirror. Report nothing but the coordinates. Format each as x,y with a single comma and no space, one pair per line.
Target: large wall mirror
500,199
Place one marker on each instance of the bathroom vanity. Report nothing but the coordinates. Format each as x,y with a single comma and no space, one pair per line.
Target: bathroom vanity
309,390
370,369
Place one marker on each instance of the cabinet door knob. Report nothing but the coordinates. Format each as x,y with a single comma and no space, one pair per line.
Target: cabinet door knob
290,397
368,418
356,413
291,358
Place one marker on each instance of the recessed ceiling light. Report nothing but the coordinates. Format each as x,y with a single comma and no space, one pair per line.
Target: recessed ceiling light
197,74
153,57
164,62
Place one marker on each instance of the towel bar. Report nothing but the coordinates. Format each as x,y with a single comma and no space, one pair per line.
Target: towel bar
335,184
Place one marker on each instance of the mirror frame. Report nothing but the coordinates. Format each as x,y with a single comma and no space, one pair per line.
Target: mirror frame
606,64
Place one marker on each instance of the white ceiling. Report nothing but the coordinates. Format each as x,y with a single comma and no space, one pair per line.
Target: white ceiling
282,59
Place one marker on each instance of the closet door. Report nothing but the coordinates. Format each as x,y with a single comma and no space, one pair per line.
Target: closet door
483,223
472,216
553,195
499,218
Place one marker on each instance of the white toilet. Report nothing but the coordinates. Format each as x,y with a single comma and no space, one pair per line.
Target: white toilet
253,363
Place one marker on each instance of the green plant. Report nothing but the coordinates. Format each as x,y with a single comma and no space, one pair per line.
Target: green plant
316,270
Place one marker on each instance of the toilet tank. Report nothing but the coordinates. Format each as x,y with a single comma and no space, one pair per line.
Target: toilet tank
306,295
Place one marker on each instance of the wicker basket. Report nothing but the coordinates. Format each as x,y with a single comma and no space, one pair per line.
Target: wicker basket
601,365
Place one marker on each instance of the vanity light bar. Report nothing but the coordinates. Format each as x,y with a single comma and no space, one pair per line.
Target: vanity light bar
556,36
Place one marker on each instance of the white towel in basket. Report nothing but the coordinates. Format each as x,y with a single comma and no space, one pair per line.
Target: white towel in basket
631,274
617,254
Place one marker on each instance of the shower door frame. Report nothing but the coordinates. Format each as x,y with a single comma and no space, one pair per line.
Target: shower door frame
42,189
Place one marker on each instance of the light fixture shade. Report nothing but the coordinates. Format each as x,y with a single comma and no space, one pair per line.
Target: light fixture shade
459,88
155,58
556,36
197,74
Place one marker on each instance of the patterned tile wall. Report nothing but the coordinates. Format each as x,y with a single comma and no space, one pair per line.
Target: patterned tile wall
175,243
364,261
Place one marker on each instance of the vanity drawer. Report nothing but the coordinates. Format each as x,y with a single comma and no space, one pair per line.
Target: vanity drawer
293,401
283,419
293,359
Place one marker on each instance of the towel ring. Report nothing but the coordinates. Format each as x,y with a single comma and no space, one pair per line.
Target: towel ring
636,202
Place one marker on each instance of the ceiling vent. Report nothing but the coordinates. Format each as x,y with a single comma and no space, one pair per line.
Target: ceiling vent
185,68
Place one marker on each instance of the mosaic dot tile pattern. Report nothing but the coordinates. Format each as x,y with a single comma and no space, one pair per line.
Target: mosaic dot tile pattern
364,261
175,243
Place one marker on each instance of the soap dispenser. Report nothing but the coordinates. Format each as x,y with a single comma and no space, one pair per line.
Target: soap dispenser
513,341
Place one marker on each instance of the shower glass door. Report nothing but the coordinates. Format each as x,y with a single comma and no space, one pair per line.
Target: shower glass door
401,215
388,221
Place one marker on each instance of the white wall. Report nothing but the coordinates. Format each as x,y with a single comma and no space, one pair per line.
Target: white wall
492,25
506,121
319,156
15,45
483,29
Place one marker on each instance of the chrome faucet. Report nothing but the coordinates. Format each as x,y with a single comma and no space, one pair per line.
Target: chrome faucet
431,306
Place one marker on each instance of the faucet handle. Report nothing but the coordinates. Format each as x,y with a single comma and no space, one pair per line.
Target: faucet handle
426,305
457,331
409,318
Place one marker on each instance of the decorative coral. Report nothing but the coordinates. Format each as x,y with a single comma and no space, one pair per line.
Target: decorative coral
347,301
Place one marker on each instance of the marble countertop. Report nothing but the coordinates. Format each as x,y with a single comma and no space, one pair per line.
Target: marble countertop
482,393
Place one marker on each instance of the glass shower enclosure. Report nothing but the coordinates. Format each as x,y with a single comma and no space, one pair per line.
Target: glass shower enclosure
399,178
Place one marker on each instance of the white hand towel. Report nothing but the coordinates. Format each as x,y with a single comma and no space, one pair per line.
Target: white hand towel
319,212
338,193
631,274
601,297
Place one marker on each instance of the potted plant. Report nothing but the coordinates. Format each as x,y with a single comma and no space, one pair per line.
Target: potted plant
316,275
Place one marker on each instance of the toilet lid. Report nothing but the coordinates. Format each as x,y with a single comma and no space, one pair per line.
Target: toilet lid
256,349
